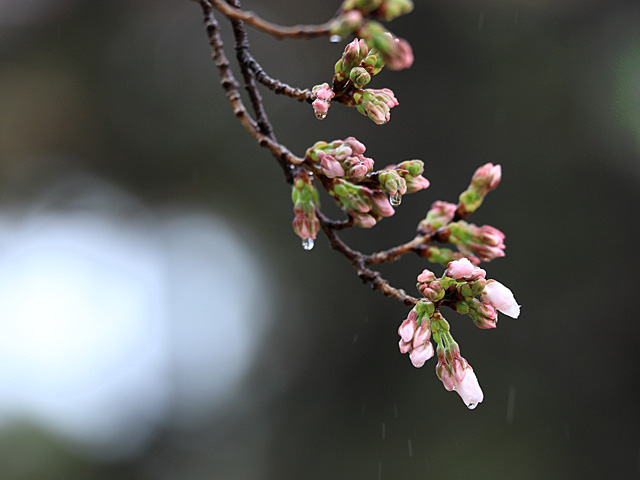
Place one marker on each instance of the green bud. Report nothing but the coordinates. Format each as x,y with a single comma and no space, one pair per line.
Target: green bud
359,76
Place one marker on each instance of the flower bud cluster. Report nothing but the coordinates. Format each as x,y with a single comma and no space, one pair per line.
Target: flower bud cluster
305,200
323,94
440,214
352,73
415,334
375,104
365,205
486,242
383,9
341,159
485,179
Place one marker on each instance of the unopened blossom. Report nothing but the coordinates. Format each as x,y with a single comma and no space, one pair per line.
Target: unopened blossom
469,388
488,242
376,104
463,269
321,104
411,171
485,179
400,56
415,339
501,298
329,165
392,182
426,276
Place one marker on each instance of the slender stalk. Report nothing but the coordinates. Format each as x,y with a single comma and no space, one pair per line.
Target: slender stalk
278,31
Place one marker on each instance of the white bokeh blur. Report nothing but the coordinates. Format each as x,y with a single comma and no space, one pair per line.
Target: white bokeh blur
116,320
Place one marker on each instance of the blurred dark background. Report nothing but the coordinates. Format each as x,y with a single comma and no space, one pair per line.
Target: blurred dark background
160,320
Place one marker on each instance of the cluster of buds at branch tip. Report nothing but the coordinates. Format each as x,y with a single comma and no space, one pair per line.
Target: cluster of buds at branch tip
406,177
341,159
485,179
415,334
486,242
440,214
375,104
365,205
383,9
323,95
305,201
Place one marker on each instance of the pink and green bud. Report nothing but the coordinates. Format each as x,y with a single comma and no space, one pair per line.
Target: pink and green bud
463,269
501,298
439,215
359,76
411,171
486,242
391,9
346,23
485,179
330,166
415,335
305,200
376,104
392,182
365,205
321,104
483,314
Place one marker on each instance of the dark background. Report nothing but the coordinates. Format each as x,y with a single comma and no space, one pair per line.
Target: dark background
126,92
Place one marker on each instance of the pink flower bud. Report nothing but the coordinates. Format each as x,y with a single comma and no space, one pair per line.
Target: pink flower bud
416,184
400,56
380,205
444,374
426,276
355,145
469,388
500,297
330,167
421,354
422,334
463,269
407,329
364,220
487,177
405,347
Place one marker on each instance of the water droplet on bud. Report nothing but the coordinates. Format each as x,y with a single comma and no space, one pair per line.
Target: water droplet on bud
471,406
335,38
395,199
307,243
321,116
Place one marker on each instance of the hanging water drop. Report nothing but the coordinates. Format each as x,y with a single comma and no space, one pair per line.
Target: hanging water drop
396,199
321,116
472,405
335,38
307,243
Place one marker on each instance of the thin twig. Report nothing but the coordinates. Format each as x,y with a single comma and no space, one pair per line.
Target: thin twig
357,260
230,85
276,85
242,52
278,31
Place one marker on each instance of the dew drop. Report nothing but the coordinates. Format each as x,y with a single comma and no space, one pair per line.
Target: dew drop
307,243
321,116
471,406
396,199
335,38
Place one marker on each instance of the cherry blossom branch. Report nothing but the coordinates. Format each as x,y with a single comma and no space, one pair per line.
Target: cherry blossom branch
278,31
367,196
